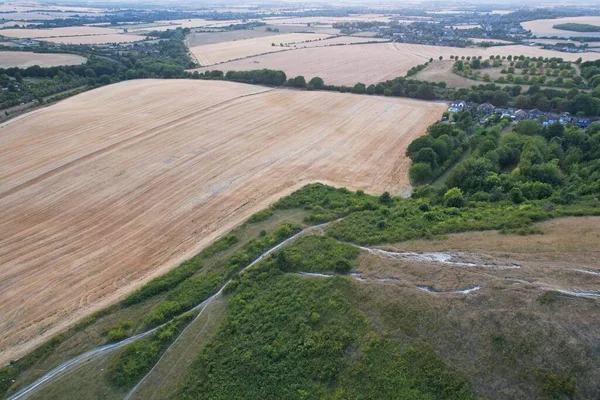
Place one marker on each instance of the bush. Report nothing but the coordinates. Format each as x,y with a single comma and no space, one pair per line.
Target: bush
316,83
317,254
454,198
261,215
139,357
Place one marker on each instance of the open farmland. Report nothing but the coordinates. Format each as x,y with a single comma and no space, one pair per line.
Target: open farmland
23,59
105,190
97,39
545,27
337,65
372,63
74,35
303,21
57,32
211,54
441,71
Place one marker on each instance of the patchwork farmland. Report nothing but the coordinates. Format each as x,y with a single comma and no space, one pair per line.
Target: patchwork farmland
373,63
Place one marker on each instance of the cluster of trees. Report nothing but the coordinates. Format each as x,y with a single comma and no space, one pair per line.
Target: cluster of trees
258,77
433,153
177,33
576,27
590,70
415,70
532,163
523,70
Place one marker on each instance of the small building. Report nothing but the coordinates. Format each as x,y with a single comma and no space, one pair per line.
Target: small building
535,114
459,106
565,118
486,108
521,115
583,123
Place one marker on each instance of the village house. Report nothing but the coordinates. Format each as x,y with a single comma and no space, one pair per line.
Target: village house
535,114
486,108
521,115
456,107
565,118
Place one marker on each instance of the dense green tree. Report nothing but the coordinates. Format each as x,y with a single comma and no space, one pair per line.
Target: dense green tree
470,174
359,88
454,198
584,103
317,83
420,173
427,155
528,127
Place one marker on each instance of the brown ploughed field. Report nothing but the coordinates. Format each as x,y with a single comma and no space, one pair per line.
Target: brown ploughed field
105,190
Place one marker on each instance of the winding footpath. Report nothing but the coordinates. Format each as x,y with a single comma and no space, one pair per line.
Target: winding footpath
76,362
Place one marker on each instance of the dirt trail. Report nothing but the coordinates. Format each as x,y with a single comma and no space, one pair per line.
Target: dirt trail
110,188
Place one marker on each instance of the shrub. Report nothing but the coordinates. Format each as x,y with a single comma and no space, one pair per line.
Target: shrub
261,215
454,198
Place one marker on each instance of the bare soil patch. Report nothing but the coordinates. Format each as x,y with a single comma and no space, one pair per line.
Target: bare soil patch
23,59
107,189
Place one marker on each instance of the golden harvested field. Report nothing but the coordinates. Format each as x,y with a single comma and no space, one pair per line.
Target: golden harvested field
299,21
338,41
372,63
23,59
105,190
544,27
97,39
211,54
57,32
514,50
337,65
180,23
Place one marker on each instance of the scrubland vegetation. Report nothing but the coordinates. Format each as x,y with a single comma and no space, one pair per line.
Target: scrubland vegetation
295,341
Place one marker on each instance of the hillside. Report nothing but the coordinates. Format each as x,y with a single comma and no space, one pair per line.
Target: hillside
120,184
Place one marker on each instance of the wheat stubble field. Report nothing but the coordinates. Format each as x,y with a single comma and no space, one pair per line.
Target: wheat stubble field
110,188
23,59
373,63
